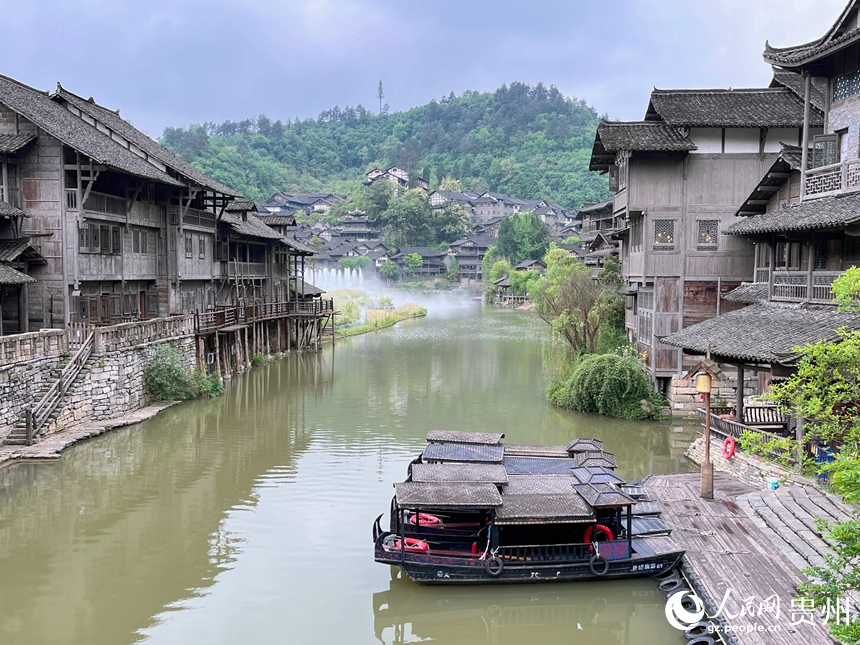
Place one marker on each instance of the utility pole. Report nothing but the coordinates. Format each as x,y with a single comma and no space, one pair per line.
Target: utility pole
380,94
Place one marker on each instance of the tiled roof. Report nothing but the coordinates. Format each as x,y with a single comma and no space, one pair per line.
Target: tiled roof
588,208
797,84
645,136
769,107
277,220
8,275
747,292
7,210
423,251
241,206
815,214
308,289
765,332
57,121
799,54
11,249
14,142
122,127
788,161
252,227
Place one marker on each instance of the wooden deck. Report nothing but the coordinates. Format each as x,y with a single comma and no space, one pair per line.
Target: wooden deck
728,550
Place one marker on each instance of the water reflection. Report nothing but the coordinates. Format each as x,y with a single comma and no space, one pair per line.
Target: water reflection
546,614
247,518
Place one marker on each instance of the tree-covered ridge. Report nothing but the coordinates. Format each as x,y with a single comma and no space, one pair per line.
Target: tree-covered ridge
530,142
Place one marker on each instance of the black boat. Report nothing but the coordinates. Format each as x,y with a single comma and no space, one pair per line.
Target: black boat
474,510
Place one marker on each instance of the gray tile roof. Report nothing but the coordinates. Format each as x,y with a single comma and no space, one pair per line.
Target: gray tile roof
241,206
491,473
789,161
453,436
799,54
277,220
252,227
538,509
447,495
539,485
797,84
765,332
603,495
11,249
644,136
57,121
7,210
584,444
747,292
470,453
8,275
122,127
759,107
814,214
14,142
308,289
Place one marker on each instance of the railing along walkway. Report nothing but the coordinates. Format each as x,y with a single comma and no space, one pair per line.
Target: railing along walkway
223,317
36,416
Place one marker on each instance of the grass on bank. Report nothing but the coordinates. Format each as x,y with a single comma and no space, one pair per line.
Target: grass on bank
382,318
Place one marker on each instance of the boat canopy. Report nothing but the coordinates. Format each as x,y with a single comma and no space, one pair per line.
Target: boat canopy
603,495
451,436
596,475
596,458
539,485
475,453
459,472
583,445
528,450
555,508
466,495
539,466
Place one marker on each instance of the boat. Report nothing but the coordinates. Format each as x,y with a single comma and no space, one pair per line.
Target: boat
474,510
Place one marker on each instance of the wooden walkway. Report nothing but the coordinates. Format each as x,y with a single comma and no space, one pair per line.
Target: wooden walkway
729,550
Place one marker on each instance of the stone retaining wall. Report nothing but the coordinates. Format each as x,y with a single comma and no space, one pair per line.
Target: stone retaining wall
747,468
684,400
27,362
112,383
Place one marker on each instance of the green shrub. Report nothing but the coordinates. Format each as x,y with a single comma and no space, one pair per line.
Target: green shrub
607,384
168,379
256,360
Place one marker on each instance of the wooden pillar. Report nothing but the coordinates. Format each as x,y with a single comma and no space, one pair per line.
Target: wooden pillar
739,395
800,444
771,250
23,306
201,354
217,354
804,163
810,278
247,355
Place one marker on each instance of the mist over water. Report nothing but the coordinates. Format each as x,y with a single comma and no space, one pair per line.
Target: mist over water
247,518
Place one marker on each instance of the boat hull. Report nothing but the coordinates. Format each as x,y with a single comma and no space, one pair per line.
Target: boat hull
430,569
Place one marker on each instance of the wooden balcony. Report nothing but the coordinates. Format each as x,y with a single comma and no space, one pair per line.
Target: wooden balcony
231,316
832,179
232,269
799,286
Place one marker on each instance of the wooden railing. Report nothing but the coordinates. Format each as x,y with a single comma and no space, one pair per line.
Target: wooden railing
546,552
222,317
794,285
37,415
834,178
77,333
232,268
724,428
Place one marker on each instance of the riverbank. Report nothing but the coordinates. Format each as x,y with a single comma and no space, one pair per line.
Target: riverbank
49,447
376,325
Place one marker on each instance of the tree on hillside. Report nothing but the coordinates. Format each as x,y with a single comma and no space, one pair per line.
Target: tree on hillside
490,258
523,237
388,270
377,197
380,94
450,223
450,184
412,262
406,221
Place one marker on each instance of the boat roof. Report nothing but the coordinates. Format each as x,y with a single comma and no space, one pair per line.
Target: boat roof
603,495
584,444
542,508
452,436
539,466
528,450
596,458
447,495
475,453
539,485
459,472
596,475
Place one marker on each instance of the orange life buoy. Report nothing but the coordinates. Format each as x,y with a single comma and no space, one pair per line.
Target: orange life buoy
413,545
423,519
729,447
600,529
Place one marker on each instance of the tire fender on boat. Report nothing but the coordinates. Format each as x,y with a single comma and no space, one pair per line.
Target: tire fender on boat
494,566
729,448
594,560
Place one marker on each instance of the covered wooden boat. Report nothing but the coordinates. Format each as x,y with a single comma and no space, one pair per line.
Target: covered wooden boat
474,510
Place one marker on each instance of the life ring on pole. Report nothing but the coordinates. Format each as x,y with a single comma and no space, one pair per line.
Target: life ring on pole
424,519
412,545
729,448
607,532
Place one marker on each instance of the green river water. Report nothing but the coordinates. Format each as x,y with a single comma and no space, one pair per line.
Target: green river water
247,519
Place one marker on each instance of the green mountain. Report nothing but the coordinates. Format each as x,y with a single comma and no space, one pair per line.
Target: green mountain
528,142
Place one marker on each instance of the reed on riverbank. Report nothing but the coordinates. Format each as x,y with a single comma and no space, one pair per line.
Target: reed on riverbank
382,318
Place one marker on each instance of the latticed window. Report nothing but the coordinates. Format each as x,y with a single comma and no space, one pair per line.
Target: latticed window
135,241
105,239
852,251
116,239
94,238
643,331
84,239
664,234
646,299
707,239
846,86
83,309
201,249
189,246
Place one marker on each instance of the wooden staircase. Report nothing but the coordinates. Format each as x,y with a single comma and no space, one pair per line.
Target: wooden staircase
48,408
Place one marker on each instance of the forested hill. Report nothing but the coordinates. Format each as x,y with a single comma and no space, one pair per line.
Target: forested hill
529,142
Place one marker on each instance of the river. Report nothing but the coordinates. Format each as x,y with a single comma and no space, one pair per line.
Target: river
247,518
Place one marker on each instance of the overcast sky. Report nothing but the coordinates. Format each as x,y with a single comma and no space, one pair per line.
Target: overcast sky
175,62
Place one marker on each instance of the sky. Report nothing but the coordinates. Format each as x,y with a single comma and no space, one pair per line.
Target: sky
175,62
